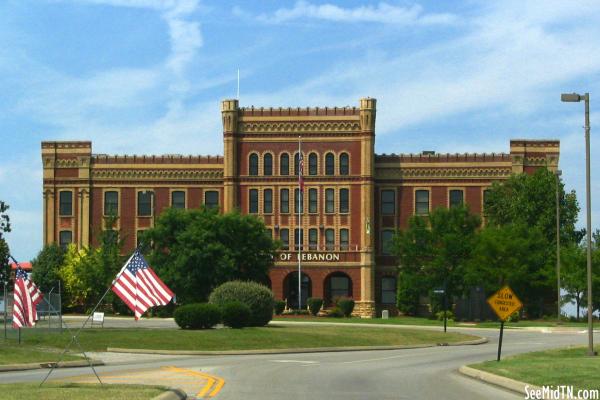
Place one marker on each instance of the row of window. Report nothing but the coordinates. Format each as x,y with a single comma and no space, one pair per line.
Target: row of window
455,198
313,239
313,201
313,164
145,199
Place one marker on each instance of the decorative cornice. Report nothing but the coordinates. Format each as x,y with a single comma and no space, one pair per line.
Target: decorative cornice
424,173
179,174
309,126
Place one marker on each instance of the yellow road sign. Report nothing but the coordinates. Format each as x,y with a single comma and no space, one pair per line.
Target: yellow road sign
504,303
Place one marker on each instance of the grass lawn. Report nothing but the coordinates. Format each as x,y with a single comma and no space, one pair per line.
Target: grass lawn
270,337
552,367
13,353
431,322
57,391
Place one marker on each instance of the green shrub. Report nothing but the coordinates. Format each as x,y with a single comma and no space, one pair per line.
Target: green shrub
256,296
514,317
440,315
314,305
197,316
346,305
279,307
335,312
236,314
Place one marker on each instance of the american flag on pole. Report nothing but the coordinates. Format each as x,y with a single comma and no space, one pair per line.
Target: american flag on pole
301,172
139,287
26,297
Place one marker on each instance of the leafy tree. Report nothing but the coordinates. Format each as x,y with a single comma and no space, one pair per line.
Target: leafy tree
530,200
194,251
511,255
434,252
573,274
4,250
46,267
74,274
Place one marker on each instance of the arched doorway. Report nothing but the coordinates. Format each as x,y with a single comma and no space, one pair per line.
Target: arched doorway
337,284
290,289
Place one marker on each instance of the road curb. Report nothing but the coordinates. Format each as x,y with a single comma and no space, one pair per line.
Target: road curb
497,380
290,351
172,394
63,364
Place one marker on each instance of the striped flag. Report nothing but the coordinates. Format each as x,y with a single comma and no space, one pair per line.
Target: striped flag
26,297
139,287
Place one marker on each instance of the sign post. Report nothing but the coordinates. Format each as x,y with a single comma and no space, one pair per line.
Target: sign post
504,303
443,291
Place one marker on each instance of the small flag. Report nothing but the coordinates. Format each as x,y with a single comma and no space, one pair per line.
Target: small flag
301,173
26,297
139,287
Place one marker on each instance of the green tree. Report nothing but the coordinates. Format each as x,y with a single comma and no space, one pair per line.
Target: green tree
511,255
46,266
194,251
4,250
530,200
434,252
573,274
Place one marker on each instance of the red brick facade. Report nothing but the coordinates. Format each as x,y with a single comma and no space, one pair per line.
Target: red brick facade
343,225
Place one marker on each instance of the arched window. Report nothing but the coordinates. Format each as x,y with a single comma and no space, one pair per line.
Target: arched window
329,164
268,164
312,164
253,164
297,163
284,164
337,285
344,164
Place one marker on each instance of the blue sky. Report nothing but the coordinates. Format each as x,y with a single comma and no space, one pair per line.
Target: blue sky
146,77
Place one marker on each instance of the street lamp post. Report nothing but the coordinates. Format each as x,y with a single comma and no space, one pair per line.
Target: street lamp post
574,97
558,174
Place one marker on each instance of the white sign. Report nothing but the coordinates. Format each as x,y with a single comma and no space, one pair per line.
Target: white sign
98,318
309,257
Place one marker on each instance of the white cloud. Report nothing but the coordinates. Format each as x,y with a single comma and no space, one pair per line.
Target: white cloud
381,13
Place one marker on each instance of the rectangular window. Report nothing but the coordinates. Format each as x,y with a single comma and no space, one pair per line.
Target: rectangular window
312,201
329,239
66,203
386,241
388,202
344,239
144,203
65,238
329,201
178,199
344,201
421,202
268,201
111,203
298,239
388,290
313,239
284,201
211,199
284,236
298,201
456,198
253,201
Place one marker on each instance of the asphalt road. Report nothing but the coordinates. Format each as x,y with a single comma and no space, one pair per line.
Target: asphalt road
429,373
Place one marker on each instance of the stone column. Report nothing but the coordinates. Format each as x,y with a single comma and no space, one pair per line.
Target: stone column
229,112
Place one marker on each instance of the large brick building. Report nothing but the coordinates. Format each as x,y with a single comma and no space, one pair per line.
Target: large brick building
354,199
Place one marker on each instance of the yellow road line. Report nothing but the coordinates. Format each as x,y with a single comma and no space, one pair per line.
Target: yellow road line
212,380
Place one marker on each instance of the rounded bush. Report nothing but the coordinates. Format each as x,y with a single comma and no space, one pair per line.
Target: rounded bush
236,314
197,316
279,307
257,297
314,305
346,306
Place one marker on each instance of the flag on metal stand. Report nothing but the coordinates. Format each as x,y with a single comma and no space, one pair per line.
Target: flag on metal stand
26,297
139,287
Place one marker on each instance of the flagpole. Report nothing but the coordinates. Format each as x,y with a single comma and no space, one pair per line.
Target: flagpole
299,223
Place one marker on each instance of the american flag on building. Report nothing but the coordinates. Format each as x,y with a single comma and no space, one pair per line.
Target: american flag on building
139,287
26,297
